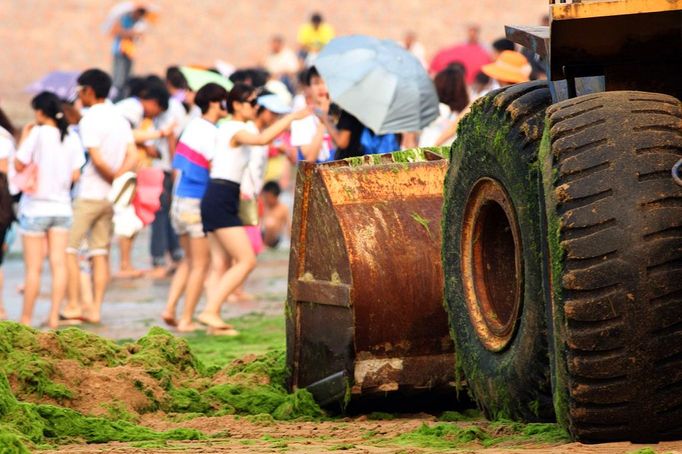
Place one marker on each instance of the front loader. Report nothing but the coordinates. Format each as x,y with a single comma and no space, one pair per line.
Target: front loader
561,243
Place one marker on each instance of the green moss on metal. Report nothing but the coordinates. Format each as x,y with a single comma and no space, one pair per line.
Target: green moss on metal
421,220
401,157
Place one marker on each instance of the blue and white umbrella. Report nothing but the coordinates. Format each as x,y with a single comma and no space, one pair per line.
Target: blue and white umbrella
379,82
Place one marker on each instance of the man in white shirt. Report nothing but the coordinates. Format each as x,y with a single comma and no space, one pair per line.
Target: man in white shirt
281,62
108,138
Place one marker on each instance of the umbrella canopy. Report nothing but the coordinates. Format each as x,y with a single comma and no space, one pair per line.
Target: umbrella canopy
197,78
123,8
379,82
472,56
61,83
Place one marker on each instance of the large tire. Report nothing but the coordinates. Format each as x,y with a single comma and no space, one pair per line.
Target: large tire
614,217
492,254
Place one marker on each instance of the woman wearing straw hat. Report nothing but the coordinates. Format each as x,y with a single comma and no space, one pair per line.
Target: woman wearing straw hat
510,68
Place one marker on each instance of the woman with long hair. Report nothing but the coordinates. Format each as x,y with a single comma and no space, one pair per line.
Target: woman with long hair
453,96
191,162
6,153
45,212
229,242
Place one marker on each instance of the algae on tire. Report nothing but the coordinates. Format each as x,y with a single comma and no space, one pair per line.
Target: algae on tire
615,250
496,150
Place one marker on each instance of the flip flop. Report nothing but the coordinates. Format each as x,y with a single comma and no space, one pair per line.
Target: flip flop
70,321
209,325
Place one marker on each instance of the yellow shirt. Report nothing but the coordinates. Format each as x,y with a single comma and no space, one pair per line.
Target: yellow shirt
314,40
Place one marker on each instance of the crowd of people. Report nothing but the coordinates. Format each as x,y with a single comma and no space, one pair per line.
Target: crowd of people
204,169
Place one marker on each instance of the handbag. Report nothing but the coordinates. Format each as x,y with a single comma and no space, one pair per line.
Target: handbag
27,180
248,211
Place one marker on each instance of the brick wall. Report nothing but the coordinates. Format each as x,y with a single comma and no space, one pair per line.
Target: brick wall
38,36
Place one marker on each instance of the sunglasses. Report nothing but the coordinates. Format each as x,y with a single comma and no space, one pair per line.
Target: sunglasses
253,102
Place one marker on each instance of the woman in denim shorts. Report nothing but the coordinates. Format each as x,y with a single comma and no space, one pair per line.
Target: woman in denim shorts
191,162
45,210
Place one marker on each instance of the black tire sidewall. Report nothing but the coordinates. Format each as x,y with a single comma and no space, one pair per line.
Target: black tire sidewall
506,383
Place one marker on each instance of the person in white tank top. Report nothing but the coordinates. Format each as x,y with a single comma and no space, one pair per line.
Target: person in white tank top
45,213
220,203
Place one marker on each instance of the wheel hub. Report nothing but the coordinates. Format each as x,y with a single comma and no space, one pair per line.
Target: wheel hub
491,262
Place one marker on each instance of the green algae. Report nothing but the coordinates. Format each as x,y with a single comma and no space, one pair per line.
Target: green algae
556,257
117,411
265,399
419,219
258,335
380,416
88,348
164,356
469,414
11,443
453,436
255,385
401,156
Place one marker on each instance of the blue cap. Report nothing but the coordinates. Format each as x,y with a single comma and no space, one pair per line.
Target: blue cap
274,104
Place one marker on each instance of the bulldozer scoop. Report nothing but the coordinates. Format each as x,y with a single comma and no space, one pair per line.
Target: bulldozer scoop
365,299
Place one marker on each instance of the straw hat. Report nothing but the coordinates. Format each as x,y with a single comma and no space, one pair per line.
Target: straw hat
510,67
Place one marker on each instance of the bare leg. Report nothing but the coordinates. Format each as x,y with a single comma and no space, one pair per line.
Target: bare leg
127,270
100,272
73,307
178,283
235,242
220,263
198,266
34,254
86,288
56,241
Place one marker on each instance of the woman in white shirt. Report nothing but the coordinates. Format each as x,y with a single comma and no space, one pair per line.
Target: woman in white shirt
229,242
6,153
46,212
453,95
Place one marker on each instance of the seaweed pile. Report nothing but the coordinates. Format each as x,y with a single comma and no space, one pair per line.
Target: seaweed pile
72,386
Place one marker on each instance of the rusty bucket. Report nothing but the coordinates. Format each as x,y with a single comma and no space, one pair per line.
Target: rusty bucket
365,299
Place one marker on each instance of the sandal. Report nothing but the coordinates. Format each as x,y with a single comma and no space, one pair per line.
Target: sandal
211,323
70,321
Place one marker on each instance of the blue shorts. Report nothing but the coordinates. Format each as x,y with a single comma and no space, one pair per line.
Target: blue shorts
39,225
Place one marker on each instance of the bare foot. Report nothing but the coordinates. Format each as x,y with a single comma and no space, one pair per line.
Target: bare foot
128,273
158,272
232,299
91,316
243,296
51,324
169,318
184,327
20,288
230,332
212,321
